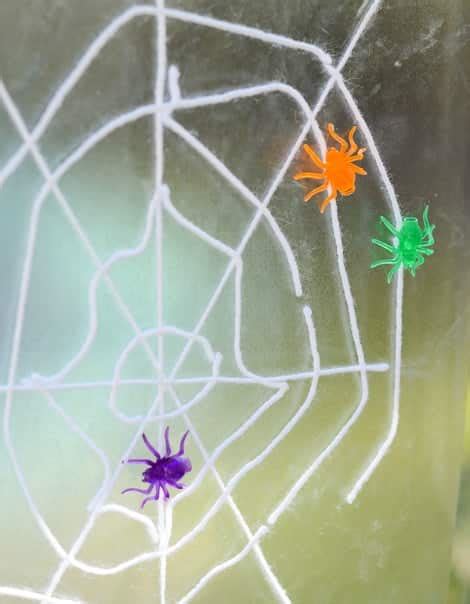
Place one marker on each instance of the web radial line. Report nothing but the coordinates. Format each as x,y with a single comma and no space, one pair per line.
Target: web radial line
371,145
219,568
273,581
220,379
159,92
369,14
34,596
160,61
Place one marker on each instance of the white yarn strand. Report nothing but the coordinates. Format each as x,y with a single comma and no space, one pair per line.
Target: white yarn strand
159,93
33,596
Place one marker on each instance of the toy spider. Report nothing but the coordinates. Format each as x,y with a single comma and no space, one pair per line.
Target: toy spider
413,244
167,470
338,171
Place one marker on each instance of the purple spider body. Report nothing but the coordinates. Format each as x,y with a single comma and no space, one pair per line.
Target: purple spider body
163,470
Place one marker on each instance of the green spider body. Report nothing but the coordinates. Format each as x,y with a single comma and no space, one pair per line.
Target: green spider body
413,243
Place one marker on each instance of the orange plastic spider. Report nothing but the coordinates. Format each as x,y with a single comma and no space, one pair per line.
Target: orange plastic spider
338,171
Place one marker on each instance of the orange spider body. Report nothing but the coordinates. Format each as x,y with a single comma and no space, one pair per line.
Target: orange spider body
339,169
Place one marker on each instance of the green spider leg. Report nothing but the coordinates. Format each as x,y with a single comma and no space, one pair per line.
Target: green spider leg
427,225
395,232
377,263
424,250
429,243
428,228
385,246
419,262
392,272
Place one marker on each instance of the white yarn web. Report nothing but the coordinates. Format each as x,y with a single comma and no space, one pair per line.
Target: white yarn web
161,204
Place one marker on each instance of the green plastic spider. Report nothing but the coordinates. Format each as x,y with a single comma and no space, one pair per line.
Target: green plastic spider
413,243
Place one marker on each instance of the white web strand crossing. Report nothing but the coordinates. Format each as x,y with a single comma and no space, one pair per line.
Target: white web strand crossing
159,206
164,520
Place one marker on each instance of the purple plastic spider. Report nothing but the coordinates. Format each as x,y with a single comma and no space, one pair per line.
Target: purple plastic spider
167,470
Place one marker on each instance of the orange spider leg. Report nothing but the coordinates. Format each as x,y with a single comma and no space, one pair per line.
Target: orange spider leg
312,175
359,155
359,170
319,189
313,156
328,200
352,142
336,137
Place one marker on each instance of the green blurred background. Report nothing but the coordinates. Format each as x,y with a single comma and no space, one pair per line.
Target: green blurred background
460,576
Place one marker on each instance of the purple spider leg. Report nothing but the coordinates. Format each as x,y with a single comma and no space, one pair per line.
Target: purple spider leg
165,490
175,484
141,491
146,461
150,447
167,441
152,497
182,442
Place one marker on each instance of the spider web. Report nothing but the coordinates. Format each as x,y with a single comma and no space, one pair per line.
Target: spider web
162,113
